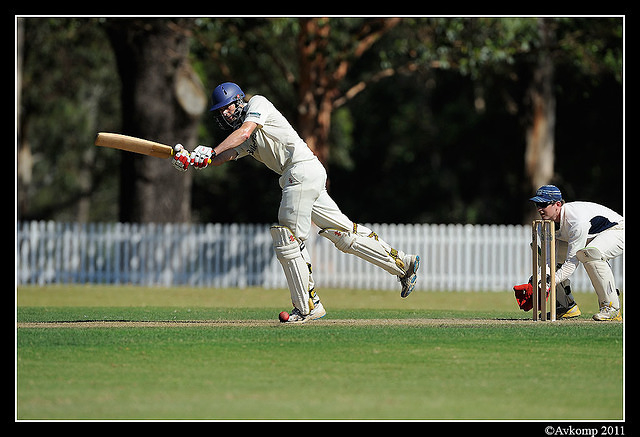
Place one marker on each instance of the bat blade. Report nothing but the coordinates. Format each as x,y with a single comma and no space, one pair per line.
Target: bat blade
133,144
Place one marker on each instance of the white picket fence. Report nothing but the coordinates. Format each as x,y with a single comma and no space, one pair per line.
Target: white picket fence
454,257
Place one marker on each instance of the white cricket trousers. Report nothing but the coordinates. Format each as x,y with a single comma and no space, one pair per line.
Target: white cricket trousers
610,242
305,200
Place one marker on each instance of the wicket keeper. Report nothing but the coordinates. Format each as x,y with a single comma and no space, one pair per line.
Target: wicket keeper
586,233
259,130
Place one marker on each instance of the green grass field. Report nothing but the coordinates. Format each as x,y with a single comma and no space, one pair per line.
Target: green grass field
221,355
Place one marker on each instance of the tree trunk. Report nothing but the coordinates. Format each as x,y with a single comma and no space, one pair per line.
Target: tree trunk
24,157
539,155
313,93
162,100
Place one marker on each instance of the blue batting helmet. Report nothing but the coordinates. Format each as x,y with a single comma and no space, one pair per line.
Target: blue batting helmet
225,94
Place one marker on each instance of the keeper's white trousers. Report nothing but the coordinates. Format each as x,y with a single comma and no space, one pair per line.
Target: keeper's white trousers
610,242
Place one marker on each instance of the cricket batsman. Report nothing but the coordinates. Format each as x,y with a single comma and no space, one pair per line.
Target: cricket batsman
260,130
586,233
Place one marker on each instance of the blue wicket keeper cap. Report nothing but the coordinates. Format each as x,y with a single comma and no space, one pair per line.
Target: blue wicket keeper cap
547,193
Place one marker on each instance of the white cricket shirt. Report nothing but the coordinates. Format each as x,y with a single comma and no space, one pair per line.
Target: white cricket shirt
580,222
274,142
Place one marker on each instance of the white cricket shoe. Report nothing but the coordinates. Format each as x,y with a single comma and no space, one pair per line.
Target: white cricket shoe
296,317
317,312
607,314
408,281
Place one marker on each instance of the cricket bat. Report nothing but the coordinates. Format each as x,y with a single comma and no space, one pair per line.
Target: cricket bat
133,144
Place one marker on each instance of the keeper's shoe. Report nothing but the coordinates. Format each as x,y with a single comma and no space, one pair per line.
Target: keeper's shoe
572,312
408,281
608,314
296,317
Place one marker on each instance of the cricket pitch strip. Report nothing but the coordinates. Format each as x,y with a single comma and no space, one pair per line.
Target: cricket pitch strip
446,322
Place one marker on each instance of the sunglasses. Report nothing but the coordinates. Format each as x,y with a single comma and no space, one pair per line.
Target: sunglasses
542,205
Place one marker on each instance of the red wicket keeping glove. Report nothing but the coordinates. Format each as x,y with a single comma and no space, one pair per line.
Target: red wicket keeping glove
524,296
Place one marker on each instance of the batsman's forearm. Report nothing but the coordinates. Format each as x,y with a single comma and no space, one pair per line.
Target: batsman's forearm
236,138
227,155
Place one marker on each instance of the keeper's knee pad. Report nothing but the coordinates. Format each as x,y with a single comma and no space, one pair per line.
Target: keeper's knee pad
600,274
589,254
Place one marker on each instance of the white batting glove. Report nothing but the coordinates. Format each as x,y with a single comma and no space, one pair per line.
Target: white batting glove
201,157
181,158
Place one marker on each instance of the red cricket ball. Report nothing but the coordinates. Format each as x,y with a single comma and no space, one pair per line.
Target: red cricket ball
283,316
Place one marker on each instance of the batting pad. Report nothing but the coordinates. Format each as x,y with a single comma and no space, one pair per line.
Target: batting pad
295,267
366,248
